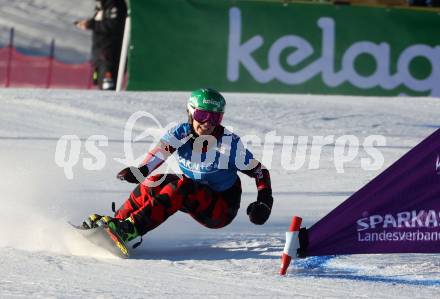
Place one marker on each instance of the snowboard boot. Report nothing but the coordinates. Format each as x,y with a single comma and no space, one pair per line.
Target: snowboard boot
91,221
123,228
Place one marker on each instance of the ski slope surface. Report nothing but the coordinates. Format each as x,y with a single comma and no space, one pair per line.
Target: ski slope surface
41,256
37,22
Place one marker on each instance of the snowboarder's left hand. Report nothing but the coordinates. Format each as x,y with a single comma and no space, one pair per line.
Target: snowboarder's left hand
127,174
259,211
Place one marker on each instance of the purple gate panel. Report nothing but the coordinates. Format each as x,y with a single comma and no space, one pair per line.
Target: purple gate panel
397,212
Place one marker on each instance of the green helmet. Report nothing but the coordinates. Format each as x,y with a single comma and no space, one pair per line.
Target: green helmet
207,99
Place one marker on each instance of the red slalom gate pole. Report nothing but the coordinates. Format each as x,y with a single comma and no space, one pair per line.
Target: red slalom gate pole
292,244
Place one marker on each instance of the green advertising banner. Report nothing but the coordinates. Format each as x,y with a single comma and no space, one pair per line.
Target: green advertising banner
257,46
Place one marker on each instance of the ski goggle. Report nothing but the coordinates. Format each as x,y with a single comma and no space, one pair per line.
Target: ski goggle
214,118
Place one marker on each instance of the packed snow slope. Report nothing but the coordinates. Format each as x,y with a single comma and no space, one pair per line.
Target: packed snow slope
37,22
41,256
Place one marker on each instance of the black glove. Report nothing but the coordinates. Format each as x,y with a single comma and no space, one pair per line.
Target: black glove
259,211
127,174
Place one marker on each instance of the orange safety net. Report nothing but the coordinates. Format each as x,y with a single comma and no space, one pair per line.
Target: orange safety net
19,70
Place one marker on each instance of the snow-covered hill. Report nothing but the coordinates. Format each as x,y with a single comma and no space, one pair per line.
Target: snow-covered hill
41,256
36,22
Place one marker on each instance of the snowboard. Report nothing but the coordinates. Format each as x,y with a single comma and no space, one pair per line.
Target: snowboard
104,237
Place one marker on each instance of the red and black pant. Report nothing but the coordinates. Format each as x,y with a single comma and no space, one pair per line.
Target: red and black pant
151,206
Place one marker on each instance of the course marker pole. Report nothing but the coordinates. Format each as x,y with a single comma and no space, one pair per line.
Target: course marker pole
292,244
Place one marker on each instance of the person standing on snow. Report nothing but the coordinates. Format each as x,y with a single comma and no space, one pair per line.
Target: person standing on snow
209,189
107,26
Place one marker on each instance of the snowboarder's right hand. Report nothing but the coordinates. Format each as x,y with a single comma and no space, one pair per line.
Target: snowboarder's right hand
259,211
128,174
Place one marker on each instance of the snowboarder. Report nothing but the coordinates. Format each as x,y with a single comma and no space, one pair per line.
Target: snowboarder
209,189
